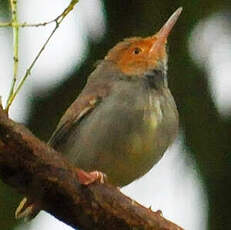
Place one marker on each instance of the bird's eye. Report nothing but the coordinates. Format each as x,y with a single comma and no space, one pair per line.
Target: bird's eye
137,50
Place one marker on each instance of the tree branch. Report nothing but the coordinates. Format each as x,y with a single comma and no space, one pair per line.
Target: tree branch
35,169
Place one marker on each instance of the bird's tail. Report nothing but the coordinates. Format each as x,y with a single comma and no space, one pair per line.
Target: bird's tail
26,210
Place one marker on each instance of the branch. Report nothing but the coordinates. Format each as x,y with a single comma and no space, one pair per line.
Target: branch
25,24
13,4
58,21
38,171
14,23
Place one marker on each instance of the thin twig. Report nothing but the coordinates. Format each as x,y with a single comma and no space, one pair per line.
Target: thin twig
13,4
5,24
24,24
58,21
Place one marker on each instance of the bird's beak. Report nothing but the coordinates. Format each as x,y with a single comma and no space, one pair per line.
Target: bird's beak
160,38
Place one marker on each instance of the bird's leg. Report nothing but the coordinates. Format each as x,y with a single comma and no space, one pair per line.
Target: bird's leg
87,178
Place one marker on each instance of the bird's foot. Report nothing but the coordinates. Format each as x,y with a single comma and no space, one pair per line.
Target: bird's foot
27,209
86,178
159,212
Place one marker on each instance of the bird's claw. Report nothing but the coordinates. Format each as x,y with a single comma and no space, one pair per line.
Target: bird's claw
27,209
86,178
159,212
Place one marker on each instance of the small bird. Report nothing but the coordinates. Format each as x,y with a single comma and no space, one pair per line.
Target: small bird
125,117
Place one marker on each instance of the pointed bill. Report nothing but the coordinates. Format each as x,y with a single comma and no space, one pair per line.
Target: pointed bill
167,27
162,35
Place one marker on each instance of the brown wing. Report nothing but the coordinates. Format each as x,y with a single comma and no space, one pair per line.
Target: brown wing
71,116
91,95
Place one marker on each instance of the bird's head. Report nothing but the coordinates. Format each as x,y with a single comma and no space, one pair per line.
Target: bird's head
138,56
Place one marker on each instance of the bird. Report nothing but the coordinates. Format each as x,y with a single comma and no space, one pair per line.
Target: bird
125,117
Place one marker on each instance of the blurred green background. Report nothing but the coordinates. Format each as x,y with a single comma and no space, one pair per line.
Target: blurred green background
206,130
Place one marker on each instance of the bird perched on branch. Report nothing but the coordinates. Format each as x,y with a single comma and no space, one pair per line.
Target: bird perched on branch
124,119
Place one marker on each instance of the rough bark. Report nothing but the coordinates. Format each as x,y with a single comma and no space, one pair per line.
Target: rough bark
35,169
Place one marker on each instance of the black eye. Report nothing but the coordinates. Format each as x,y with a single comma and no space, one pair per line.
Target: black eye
137,50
